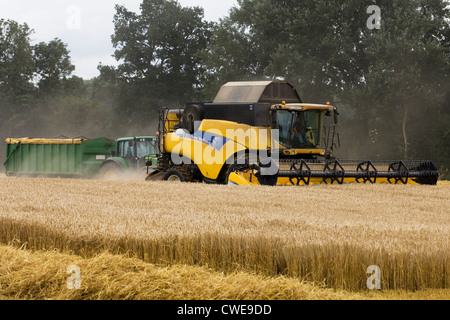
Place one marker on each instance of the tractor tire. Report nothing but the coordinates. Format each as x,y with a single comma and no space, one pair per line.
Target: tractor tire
193,113
110,171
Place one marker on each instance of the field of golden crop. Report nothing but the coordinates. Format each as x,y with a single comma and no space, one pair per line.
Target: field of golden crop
308,239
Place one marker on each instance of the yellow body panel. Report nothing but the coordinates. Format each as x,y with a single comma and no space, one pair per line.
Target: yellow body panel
227,139
236,179
172,119
253,138
245,180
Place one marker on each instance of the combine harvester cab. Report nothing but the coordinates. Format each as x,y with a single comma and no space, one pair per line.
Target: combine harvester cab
261,132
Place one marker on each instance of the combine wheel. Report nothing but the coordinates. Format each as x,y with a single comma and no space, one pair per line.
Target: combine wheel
173,176
156,175
234,168
180,174
242,165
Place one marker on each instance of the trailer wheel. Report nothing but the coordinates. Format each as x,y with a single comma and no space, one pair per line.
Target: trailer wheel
110,171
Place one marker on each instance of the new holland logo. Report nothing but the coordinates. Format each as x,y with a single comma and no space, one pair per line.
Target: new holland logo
215,141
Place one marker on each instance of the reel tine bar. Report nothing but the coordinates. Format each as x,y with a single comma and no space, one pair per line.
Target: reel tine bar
302,175
369,170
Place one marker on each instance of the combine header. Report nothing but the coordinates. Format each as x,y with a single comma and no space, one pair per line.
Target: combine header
262,133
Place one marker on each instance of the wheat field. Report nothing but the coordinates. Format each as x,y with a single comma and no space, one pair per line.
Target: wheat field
324,235
43,275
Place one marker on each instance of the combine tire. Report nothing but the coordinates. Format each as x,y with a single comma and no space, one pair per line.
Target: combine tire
173,176
180,174
155,176
239,165
266,180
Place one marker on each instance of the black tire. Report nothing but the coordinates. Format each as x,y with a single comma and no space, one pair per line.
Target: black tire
191,114
174,176
156,175
179,174
110,171
267,180
238,165
269,172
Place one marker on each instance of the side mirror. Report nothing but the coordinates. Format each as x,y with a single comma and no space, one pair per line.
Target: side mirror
336,113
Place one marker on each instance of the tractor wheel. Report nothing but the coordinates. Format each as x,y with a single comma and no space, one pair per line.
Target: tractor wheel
110,171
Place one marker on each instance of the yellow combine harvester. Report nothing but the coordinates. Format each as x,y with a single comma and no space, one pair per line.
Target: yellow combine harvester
260,132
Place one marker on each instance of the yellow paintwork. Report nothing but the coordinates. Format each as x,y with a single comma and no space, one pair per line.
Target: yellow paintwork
238,179
172,119
210,157
313,181
253,138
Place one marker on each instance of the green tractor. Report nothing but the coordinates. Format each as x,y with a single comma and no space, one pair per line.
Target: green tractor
130,156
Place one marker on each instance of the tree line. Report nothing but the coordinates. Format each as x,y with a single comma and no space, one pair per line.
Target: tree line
391,85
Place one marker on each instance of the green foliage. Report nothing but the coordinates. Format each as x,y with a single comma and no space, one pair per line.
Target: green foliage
52,64
159,54
16,65
232,55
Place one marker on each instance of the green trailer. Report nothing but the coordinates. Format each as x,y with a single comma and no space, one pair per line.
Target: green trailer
69,158
78,158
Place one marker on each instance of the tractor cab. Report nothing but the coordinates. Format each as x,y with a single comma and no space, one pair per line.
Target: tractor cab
136,151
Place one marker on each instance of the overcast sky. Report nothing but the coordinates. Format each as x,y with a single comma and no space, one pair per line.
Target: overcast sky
86,25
